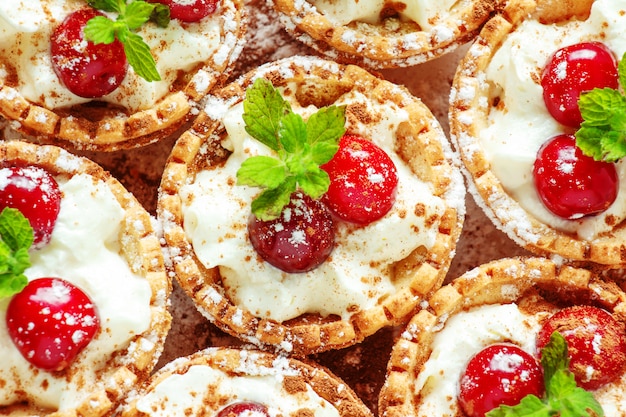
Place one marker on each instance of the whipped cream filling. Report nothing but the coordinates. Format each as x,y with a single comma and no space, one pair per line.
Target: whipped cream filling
516,130
85,250
465,334
25,29
216,213
205,390
425,13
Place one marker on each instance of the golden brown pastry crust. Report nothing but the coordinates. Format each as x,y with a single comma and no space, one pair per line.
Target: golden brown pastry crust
421,144
104,127
141,247
388,44
510,280
488,192
241,362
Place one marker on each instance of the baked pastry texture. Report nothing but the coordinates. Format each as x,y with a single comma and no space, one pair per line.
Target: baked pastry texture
103,242
209,381
376,275
498,121
381,34
191,59
503,301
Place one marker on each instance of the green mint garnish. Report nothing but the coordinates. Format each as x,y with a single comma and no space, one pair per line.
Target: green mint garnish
563,397
602,135
16,238
130,17
301,147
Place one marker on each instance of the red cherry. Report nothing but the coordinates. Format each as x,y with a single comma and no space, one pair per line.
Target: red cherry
35,193
571,184
299,240
573,70
189,10
363,181
243,409
50,322
86,69
500,374
596,344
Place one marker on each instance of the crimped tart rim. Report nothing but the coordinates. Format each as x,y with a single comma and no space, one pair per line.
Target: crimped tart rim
480,286
229,360
487,190
113,129
301,337
348,44
141,247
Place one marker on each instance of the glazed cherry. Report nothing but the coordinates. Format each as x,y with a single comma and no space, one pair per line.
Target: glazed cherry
86,69
363,181
596,344
571,184
243,409
35,193
50,322
573,70
500,374
189,10
299,240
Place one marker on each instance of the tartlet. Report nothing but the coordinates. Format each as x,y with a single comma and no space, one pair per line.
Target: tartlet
505,301
325,308
498,121
383,34
103,242
198,56
212,379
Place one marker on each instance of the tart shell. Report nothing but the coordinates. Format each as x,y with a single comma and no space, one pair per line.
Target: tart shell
100,126
470,104
133,363
388,44
421,144
295,374
503,281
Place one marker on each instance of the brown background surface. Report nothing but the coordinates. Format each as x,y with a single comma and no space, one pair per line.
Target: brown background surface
361,366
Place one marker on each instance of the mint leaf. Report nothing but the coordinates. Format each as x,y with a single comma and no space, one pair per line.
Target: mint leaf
291,130
314,183
111,6
554,357
264,108
530,406
323,128
100,30
262,171
17,237
602,134
160,15
270,203
300,146
140,58
563,397
130,18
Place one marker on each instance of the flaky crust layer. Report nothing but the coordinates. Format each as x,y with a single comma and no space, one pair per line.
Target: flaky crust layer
420,143
502,281
141,247
388,44
104,127
297,375
469,93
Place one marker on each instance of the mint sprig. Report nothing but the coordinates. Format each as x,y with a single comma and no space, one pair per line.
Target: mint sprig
16,237
130,17
301,147
602,135
563,397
